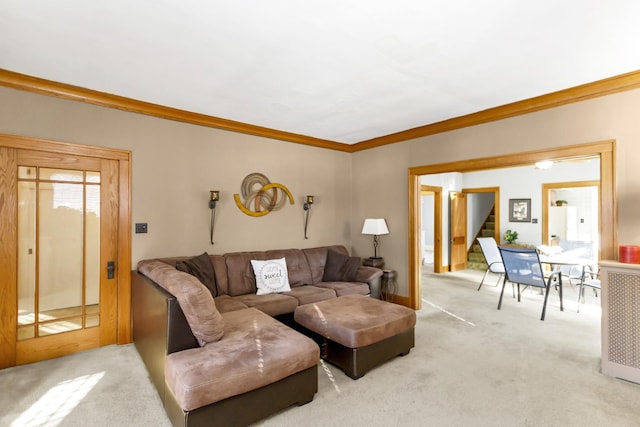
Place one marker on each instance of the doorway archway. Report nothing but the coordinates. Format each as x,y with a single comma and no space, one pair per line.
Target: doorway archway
605,150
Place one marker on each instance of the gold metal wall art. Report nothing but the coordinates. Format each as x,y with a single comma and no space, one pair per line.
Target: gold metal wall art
260,196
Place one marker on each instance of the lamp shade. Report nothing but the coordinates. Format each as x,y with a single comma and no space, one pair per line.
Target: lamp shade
375,226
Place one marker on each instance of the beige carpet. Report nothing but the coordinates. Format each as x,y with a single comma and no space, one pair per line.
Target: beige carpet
104,387
472,366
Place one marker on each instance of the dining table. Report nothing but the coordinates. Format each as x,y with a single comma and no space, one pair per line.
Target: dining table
566,259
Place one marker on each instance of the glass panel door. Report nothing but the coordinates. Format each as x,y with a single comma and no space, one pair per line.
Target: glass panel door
65,249
58,251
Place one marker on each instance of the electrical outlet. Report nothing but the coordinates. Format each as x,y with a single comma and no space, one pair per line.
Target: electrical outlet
141,227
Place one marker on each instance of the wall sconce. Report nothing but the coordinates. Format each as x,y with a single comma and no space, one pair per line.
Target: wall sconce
215,196
307,208
375,227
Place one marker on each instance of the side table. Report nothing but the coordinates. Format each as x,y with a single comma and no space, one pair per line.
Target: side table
389,286
373,262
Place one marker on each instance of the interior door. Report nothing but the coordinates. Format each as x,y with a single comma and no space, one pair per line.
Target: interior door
435,226
65,281
458,231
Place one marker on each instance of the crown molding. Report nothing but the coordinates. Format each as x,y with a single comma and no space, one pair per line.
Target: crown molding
608,86
61,90
620,83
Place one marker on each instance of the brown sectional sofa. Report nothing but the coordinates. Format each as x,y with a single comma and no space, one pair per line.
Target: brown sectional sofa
260,365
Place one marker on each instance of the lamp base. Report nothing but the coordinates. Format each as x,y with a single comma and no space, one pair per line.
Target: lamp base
377,262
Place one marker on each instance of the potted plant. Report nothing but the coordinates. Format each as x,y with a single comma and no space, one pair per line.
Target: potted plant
561,202
511,236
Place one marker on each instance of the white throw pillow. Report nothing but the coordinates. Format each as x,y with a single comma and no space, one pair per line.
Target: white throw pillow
271,276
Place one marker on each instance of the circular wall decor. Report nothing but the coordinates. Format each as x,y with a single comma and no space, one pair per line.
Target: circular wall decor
260,195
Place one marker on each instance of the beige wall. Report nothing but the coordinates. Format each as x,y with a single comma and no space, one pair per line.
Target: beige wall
380,175
175,165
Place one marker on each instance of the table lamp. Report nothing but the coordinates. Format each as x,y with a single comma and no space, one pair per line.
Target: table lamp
375,227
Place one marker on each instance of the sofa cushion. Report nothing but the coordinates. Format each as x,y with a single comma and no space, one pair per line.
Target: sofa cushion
194,298
201,268
256,350
226,303
241,280
317,258
271,276
340,267
309,294
220,272
272,304
346,288
297,265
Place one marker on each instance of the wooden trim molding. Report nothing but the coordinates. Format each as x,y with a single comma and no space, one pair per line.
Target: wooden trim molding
496,205
518,159
546,202
124,252
583,92
27,143
8,255
414,241
60,90
437,224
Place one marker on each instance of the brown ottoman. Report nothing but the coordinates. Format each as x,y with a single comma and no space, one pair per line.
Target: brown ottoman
358,333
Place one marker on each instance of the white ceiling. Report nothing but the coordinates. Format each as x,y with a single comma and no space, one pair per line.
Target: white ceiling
339,70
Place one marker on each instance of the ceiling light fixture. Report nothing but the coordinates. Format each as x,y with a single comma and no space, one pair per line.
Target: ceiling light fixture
546,164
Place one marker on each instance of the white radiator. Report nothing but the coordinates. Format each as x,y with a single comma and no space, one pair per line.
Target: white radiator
620,320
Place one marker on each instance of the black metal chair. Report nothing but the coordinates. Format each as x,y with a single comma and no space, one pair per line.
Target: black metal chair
522,267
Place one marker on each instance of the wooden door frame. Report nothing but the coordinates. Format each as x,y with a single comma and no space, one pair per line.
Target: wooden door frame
437,224
496,205
605,150
8,256
546,204
438,267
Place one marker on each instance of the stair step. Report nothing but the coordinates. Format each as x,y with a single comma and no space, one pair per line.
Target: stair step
476,257
476,266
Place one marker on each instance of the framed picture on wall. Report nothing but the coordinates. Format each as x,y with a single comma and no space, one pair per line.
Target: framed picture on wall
519,210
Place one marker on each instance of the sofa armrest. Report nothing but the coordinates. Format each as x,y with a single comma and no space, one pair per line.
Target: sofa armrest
149,326
176,330
371,276
367,274
159,326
